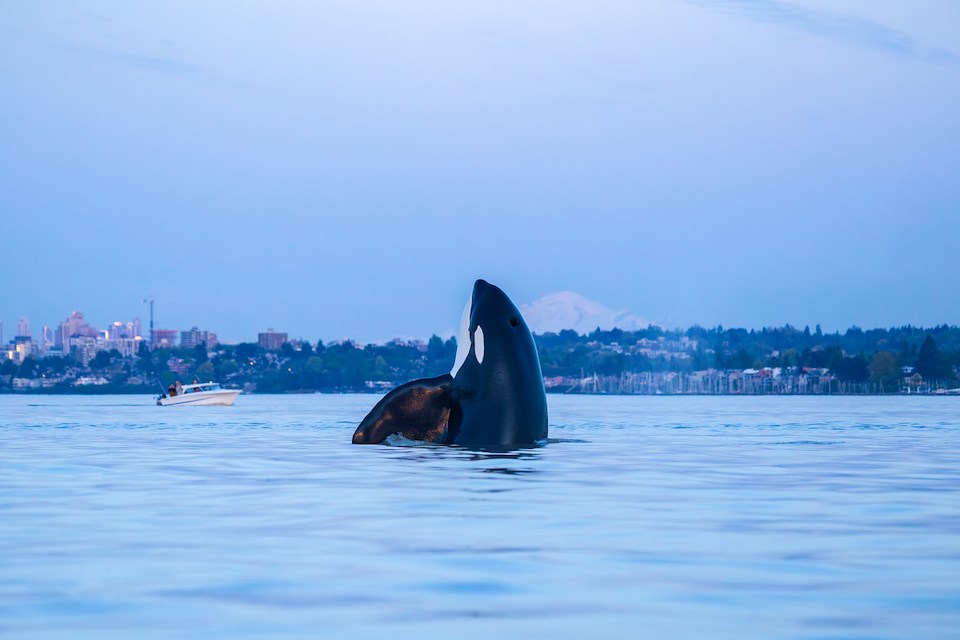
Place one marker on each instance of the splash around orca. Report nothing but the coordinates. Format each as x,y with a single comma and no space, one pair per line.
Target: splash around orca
493,396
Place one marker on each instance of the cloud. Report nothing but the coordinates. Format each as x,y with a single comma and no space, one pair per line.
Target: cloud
155,64
850,29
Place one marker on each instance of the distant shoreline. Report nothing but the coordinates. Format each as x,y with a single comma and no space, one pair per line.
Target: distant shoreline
373,392
698,361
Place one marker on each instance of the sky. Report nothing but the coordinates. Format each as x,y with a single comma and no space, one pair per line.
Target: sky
348,168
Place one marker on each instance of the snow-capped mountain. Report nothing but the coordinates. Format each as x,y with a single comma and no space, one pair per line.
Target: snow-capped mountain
569,310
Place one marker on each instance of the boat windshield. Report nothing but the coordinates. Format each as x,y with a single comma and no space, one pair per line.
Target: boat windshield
203,386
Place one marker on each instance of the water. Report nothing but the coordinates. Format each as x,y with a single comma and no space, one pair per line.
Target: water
654,517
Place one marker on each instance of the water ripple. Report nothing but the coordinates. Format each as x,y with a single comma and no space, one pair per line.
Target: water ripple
666,517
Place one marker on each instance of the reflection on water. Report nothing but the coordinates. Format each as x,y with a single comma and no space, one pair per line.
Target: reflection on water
486,460
664,517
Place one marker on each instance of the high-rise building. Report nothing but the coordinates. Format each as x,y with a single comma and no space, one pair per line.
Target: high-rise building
136,328
46,348
164,339
23,328
20,348
73,327
194,337
271,340
84,349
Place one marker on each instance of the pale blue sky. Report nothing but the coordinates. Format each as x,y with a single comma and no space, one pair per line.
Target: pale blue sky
349,168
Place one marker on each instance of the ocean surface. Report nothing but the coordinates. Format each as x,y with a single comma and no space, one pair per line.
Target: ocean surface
643,517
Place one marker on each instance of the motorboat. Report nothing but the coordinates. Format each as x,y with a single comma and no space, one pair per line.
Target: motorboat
200,393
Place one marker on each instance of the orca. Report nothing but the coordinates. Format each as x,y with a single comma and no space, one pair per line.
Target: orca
492,398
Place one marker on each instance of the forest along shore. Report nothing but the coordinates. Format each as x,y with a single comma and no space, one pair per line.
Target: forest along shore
653,361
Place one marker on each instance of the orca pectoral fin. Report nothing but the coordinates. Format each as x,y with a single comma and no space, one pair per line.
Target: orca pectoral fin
418,410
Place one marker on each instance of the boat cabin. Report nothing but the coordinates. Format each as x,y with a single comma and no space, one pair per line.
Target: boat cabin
201,386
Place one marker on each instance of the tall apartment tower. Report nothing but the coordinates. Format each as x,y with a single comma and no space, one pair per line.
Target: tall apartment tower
23,327
70,327
271,340
192,338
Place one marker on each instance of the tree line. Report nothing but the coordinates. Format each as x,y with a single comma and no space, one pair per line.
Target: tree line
855,355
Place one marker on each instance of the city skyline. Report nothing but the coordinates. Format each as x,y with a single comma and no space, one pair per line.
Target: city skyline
650,360
582,319
348,170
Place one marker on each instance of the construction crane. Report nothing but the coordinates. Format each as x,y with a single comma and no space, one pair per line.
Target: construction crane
151,301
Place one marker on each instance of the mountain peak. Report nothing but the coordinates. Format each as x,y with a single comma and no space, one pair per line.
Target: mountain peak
570,310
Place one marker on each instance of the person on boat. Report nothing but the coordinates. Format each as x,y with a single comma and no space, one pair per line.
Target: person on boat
171,390
179,389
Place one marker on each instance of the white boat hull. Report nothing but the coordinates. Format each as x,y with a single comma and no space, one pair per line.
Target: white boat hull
224,397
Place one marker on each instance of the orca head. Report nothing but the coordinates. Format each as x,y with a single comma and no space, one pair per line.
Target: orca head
496,373
488,306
